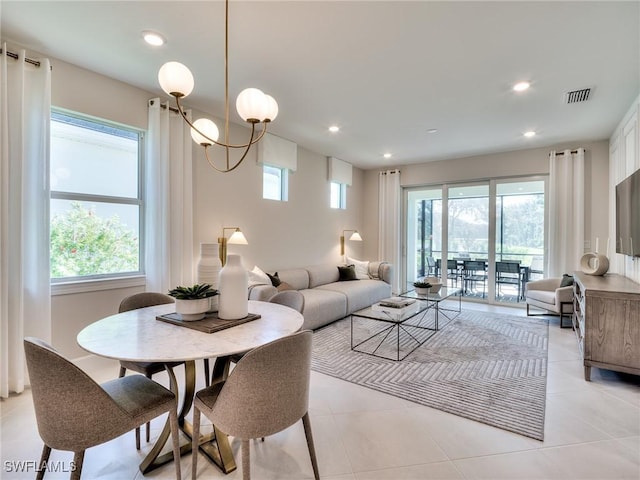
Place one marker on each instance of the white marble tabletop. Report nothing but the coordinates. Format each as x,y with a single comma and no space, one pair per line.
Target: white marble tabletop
136,335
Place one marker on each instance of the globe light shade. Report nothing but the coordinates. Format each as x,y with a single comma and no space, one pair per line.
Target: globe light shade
176,79
251,105
272,108
208,128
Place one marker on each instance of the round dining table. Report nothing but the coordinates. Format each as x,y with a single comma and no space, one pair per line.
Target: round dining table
139,336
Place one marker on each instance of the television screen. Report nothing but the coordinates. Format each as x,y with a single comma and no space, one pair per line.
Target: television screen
628,215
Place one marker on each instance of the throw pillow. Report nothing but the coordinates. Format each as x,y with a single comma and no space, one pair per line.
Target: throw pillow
567,280
258,277
284,286
347,273
362,268
275,280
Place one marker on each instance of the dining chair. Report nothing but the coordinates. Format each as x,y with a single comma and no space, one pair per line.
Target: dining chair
508,273
267,392
148,369
74,413
474,272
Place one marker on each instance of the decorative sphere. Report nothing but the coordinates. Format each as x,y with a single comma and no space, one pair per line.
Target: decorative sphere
272,108
176,79
207,127
251,105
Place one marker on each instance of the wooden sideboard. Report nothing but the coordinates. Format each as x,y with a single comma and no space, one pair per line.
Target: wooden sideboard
606,319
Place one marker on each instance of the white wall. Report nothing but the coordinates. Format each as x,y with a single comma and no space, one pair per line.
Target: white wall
302,231
625,159
508,164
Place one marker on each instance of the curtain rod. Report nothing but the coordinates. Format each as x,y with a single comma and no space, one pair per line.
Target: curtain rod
26,59
562,153
165,106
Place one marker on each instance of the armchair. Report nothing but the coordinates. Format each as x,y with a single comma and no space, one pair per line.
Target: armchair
547,294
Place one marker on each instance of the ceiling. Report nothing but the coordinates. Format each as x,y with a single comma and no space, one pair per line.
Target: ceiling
386,72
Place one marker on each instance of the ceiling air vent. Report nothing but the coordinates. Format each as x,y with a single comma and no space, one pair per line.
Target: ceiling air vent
578,95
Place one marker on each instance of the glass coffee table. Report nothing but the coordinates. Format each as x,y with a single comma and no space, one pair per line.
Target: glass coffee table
387,334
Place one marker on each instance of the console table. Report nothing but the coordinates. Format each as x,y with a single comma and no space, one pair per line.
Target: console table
606,319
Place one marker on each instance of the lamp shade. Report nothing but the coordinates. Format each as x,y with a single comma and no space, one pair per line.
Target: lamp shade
272,108
238,238
176,79
355,237
252,105
208,128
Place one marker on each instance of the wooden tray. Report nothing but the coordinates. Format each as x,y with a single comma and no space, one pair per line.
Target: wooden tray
209,324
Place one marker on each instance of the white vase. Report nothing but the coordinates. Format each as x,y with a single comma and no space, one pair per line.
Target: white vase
233,284
208,270
190,310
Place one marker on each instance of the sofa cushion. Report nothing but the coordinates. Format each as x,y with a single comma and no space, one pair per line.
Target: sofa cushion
322,274
542,296
347,273
298,278
360,294
322,307
362,268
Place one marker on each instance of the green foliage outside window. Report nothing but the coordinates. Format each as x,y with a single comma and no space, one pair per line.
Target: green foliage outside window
83,243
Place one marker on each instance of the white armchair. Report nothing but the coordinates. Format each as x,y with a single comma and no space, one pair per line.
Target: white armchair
547,294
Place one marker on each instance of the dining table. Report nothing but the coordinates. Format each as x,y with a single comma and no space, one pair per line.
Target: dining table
139,336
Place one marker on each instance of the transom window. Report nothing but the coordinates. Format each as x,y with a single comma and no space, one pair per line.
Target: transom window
275,182
96,198
338,195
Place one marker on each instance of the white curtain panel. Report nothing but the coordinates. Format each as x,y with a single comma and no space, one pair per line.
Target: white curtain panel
25,292
566,212
389,198
169,200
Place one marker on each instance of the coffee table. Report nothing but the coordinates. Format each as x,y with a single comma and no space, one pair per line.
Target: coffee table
435,299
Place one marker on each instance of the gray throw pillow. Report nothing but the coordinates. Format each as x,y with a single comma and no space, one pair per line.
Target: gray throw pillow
347,273
567,280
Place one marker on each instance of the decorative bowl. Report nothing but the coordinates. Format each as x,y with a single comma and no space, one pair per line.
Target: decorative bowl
436,284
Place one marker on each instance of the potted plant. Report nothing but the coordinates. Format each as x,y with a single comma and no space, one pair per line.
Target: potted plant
192,302
421,287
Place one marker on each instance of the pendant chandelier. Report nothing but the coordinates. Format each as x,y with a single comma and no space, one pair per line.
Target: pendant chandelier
252,104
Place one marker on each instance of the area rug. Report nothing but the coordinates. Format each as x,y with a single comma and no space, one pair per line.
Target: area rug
487,367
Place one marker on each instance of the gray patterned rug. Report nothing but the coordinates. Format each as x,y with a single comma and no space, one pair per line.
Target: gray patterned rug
488,367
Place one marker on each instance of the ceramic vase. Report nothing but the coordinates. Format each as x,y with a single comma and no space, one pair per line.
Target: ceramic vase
233,284
208,270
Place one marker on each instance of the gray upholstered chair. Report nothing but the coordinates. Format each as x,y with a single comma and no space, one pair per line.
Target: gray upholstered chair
74,413
548,294
266,392
148,369
289,298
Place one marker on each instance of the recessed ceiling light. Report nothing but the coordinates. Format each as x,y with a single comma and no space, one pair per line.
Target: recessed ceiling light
530,133
521,86
153,38
334,128
432,130
387,155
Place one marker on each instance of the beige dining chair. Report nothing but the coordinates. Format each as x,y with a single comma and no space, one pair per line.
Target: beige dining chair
74,412
267,392
148,369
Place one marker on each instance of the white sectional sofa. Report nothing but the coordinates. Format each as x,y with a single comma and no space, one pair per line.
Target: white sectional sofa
326,298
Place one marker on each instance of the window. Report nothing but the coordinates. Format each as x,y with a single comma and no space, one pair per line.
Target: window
338,195
275,183
96,199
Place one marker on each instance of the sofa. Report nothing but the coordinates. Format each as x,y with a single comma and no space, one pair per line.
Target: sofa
326,298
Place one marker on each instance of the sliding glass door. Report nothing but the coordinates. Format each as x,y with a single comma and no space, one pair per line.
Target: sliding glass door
485,238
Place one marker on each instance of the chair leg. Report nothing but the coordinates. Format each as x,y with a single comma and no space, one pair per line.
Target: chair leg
78,458
148,423
207,377
246,460
195,442
312,451
175,437
44,459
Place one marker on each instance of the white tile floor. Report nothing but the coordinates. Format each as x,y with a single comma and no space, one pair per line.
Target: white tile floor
592,432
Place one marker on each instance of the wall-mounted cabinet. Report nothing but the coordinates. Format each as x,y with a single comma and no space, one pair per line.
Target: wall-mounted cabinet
606,320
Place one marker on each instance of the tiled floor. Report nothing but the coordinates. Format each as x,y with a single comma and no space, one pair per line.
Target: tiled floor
592,432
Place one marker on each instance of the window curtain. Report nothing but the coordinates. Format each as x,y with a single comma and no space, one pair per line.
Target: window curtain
566,212
389,197
169,200
25,292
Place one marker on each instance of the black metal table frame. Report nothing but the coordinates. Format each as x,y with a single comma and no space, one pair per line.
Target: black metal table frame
428,298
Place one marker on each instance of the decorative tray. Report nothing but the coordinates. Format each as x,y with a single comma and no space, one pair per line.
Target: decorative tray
209,324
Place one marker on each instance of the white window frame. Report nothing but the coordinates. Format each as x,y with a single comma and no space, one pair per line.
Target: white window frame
86,283
283,189
341,201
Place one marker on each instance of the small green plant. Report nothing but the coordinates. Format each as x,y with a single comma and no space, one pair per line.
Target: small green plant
421,284
195,292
